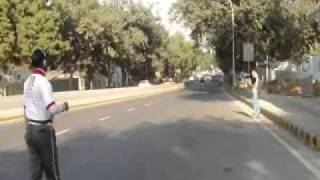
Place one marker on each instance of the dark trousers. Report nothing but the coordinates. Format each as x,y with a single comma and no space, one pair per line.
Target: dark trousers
41,142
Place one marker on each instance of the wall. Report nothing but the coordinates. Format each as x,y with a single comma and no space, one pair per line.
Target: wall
305,79
117,77
57,86
290,75
65,84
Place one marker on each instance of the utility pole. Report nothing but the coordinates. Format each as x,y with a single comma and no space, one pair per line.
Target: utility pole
233,46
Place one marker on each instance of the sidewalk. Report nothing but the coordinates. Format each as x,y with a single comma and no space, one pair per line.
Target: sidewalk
300,116
12,107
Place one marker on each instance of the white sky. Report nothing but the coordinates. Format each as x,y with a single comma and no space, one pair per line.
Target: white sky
162,8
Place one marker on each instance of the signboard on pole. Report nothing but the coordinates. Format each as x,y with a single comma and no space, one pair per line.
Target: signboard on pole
248,52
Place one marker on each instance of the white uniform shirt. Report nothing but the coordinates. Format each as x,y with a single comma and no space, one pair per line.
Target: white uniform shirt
38,96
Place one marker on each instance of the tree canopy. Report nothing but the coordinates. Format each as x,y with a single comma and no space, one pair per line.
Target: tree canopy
95,36
278,28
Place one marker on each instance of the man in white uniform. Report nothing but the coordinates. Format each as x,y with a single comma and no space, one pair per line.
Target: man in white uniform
39,110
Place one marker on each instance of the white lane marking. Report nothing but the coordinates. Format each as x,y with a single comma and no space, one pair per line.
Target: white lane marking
295,153
104,118
292,151
148,104
63,132
132,109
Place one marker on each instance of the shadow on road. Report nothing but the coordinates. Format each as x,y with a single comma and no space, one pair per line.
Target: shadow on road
209,91
244,114
188,149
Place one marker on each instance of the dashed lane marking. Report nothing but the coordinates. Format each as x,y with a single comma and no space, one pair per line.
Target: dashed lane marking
104,118
62,132
132,109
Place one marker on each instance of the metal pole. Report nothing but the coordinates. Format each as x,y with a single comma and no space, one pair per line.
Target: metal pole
233,46
268,44
267,69
233,52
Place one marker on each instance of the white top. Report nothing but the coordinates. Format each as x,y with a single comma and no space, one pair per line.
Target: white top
38,97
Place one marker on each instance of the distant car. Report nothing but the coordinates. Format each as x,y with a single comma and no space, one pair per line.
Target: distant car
244,75
168,80
201,80
144,83
207,78
192,78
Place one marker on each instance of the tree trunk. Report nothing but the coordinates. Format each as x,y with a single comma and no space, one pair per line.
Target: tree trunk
109,74
146,68
166,68
125,77
70,81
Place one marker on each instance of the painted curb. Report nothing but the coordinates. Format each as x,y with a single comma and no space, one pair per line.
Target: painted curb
310,139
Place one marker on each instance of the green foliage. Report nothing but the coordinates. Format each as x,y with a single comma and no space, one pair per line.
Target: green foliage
277,28
6,33
185,57
28,25
93,37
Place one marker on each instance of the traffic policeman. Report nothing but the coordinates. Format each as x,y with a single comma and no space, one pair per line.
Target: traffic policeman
39,110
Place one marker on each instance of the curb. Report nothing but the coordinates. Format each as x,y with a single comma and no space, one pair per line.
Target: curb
80,106
310,139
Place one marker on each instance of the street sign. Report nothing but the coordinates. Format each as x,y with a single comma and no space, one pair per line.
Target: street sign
248,52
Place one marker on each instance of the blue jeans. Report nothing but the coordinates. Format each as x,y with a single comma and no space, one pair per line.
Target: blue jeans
256,105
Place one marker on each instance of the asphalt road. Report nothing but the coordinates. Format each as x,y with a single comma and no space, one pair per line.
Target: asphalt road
186,135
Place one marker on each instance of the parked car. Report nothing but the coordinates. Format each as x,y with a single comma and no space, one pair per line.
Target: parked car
244,75
207,78
192,78
168,79
144,83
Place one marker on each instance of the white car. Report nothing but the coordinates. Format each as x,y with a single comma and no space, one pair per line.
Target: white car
207,78
144,83
192,78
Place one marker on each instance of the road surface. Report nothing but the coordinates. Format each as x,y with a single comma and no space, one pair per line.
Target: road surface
185,135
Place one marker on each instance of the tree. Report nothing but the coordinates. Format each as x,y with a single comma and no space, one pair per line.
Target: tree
275,27
186,57
94,37
128,35
143,19
33,25
6,33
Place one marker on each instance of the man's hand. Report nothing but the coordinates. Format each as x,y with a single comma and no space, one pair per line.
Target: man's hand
65,106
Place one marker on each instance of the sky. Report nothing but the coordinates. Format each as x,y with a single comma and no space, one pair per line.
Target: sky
162,8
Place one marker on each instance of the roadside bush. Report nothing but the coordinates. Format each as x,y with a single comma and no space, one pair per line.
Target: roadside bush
286,87
293,88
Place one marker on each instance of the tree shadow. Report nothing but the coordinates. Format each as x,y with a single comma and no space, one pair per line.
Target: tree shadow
244,114
187,149
209,91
